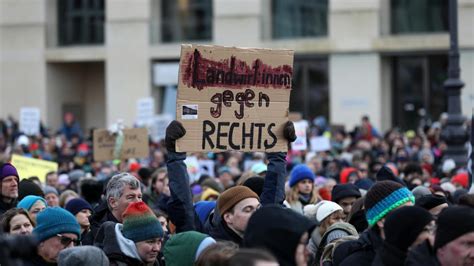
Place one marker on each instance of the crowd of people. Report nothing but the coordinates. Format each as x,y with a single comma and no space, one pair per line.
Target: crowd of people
371,199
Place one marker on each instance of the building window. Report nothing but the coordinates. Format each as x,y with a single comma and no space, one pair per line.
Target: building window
419,96
299,18
409,16
81,22
310,95
186,20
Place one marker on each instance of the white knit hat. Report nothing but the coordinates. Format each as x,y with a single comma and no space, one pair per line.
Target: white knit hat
327,208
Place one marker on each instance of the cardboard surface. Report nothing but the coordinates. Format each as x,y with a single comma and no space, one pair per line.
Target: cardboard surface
135,144
28,167
233,98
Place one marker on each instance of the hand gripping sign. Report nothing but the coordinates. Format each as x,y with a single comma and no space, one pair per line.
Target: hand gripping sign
233,98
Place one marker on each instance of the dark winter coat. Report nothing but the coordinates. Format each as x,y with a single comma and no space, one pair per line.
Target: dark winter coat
422,255
359,252
389,256
101,215
218,229
38,261
4,207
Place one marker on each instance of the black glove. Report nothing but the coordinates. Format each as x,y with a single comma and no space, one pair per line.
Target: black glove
174,131
289,131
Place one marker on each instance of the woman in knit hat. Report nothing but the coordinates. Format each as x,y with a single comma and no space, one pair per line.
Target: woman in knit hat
82,210
17,221
185,248
135,242
302,191
33,205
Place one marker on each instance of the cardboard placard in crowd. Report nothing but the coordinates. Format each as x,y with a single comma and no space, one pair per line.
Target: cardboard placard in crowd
30,120
233,98
158,129
28,167
135,144
145,111
300,144
319,144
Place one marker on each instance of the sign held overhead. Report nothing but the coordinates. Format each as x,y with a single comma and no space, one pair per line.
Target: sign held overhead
233,98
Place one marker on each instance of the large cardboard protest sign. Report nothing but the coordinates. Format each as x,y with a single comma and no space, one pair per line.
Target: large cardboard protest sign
233,98
134,145
28,167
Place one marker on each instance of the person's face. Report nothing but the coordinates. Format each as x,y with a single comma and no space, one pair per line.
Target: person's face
305,186
160,183
52,180
128,196
226,179
10,187
52,200
301,252
437,210
239,217
149,249
164,223
363,170
459,252
50,248
428,233
20,225
82,217
38,207
346,204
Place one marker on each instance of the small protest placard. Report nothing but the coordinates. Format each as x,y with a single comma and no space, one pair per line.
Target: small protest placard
135,144
300,130
30,120
233,98
158,129
145,111
320,144
28,167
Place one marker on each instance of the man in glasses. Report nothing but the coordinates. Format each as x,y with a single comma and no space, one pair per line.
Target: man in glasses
56,229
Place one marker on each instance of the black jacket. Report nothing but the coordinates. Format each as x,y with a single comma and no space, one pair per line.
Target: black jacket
389,256
359,252
422,255
218,229
6,206
101,215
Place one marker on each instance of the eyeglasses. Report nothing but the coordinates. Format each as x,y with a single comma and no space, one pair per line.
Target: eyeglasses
66,241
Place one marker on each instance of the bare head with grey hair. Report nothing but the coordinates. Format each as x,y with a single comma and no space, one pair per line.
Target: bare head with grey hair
122,189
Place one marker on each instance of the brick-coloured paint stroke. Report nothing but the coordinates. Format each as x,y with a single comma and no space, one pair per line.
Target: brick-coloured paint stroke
233,73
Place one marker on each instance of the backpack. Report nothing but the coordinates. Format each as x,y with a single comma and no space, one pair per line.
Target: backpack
328,252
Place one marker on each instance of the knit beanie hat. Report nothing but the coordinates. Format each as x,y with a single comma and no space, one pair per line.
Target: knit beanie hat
76,205
182,248
140,223
49,189
209,193
345,173
403,226
420,191
82,255
430,201
383,197
386,173
461,179
53,221
453,222
7,169
27,187
229,198
325,209
299,173
341,191
28,201
255,184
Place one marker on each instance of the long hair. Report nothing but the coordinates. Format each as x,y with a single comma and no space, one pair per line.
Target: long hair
293,195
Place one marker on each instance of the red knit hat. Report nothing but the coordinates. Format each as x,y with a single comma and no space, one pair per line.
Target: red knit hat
344,176
461,179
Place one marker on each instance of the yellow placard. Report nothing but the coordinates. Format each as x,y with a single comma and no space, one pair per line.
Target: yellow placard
28,167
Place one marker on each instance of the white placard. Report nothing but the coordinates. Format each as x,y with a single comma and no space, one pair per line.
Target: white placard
207,167
193,167
30,120
300,143
320,144
160,123
145,111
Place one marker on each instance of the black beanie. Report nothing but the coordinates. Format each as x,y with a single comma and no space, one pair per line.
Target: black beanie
453,222
385,173
341,191
255,184
144,173
27,187
403,226
430,201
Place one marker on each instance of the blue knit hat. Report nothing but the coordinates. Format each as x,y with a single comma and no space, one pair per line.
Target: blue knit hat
28,202
53,221
301,172
76,205
383,197
140,223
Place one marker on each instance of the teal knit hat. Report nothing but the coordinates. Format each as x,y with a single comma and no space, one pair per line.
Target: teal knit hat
28,202
140,223
383,197
53,221
184,248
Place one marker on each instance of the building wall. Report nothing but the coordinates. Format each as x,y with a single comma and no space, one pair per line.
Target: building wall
34,71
